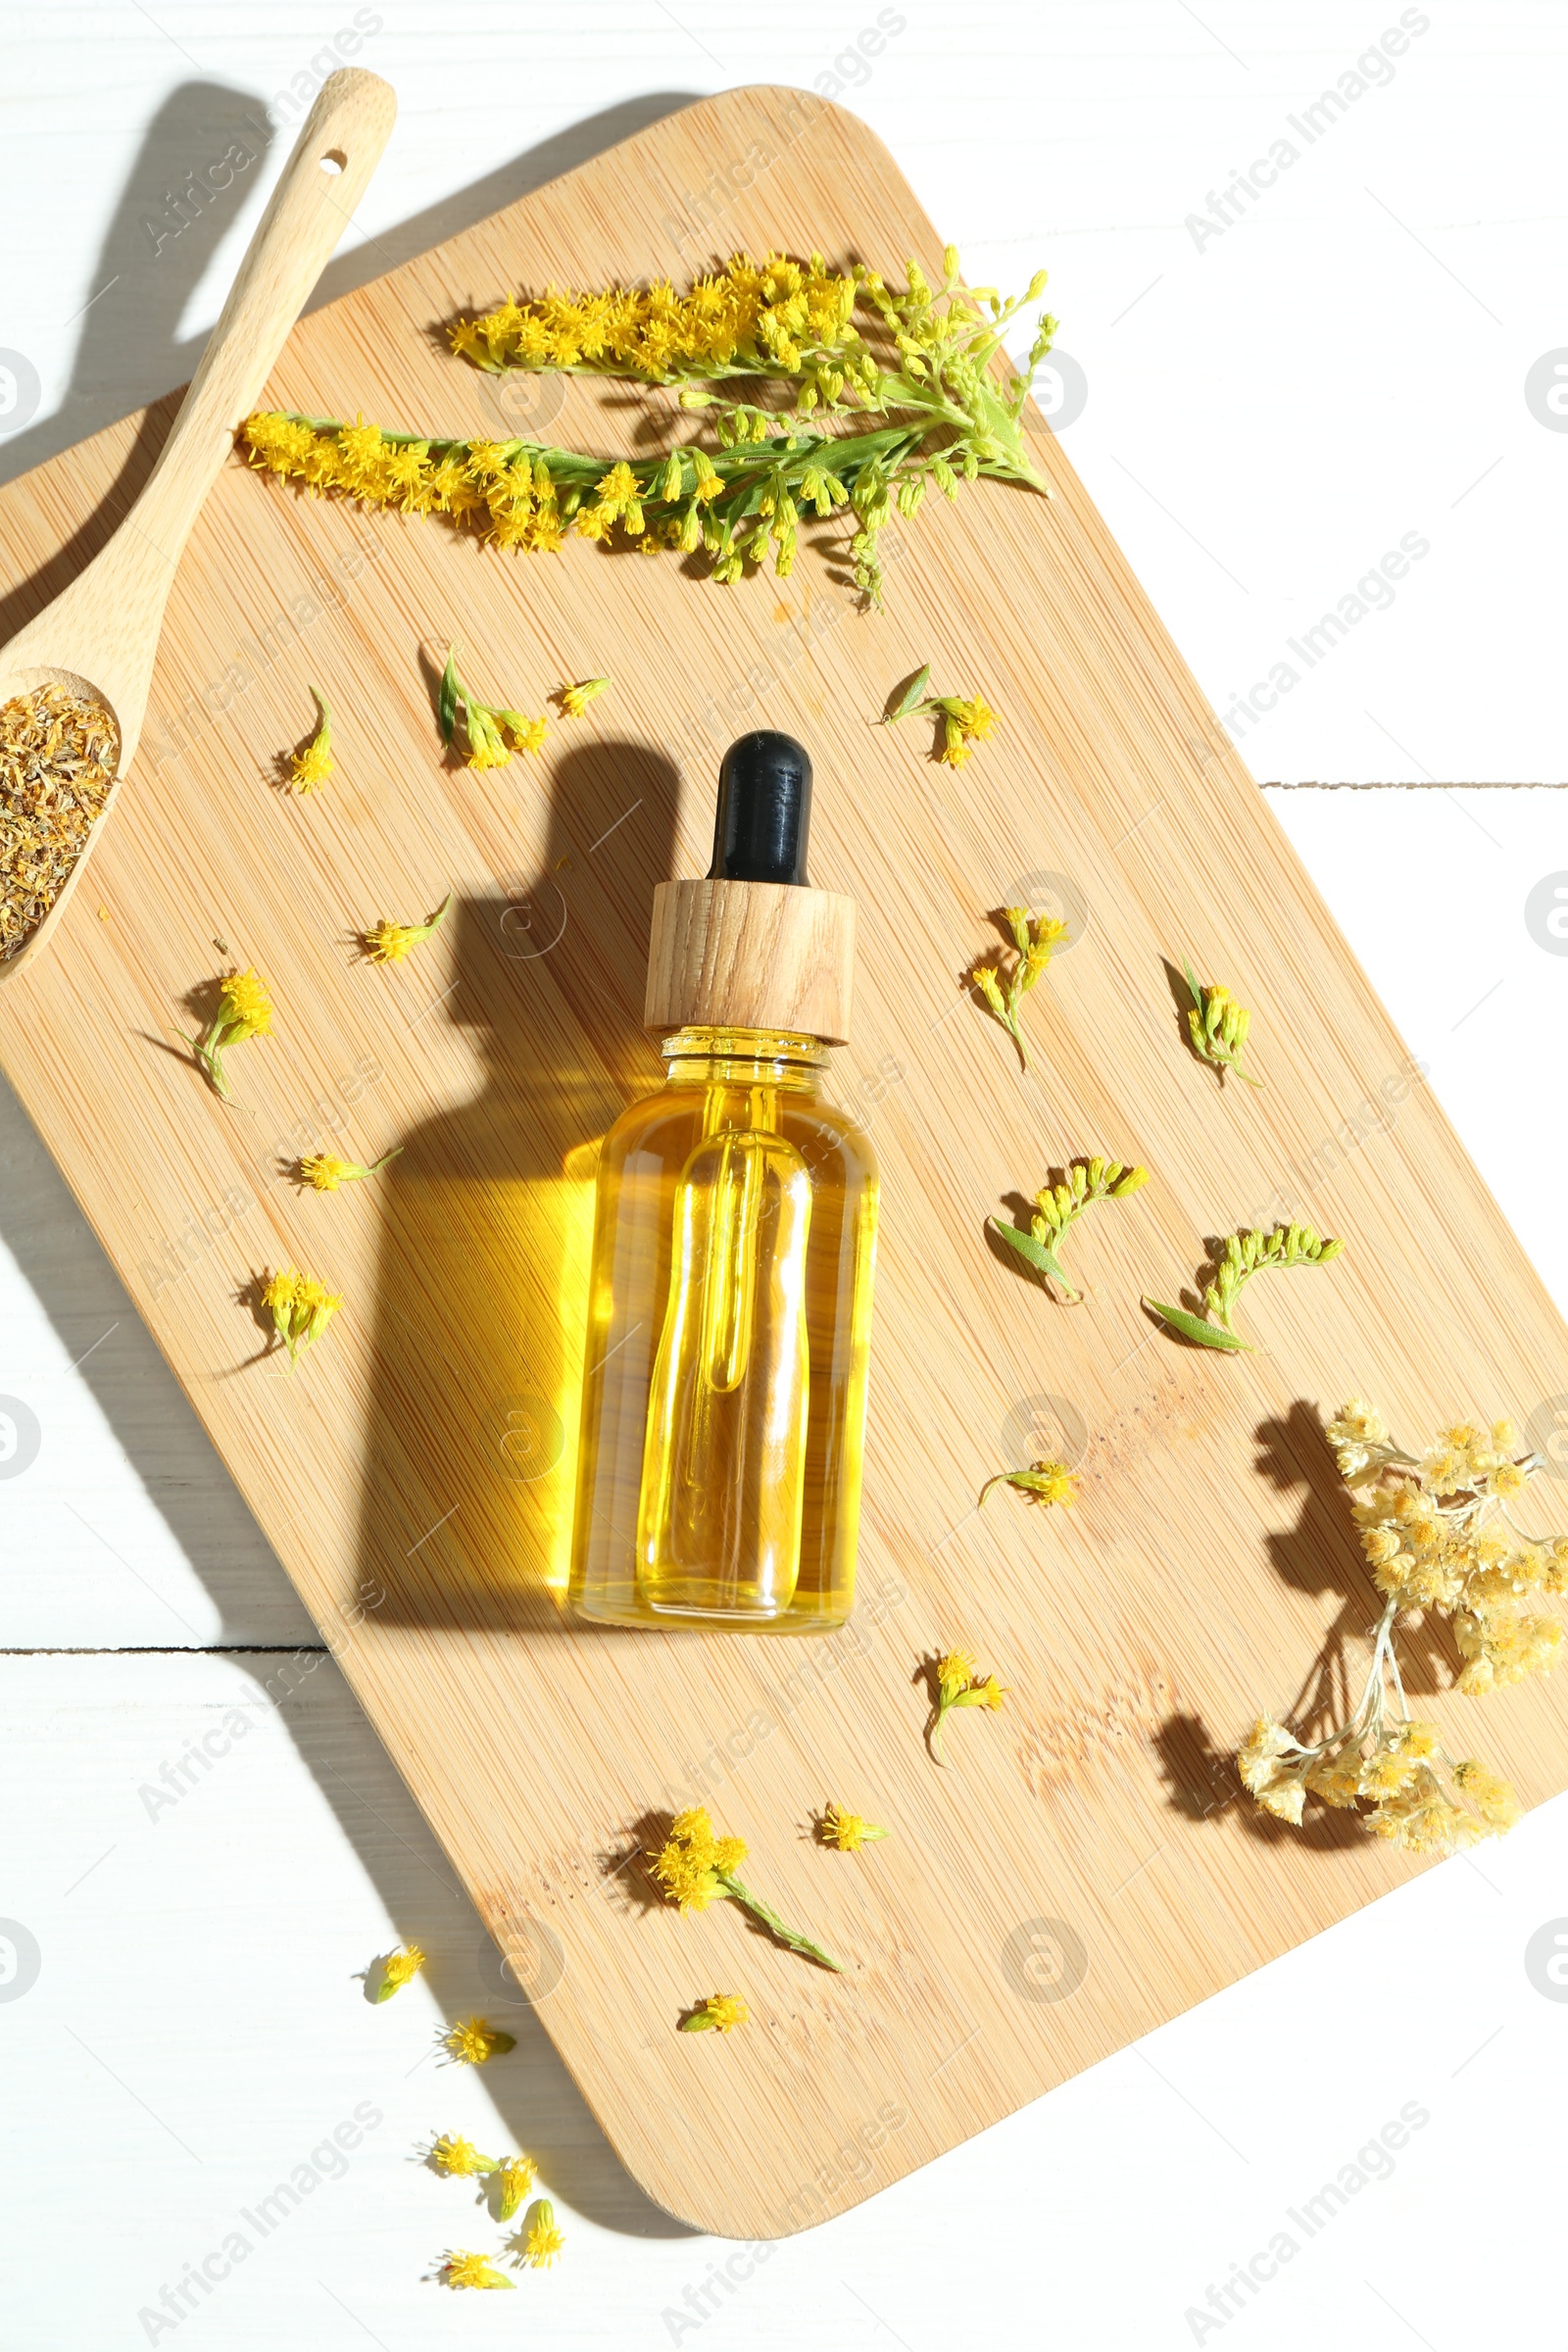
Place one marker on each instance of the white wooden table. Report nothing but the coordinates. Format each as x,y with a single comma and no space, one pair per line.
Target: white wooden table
1268,402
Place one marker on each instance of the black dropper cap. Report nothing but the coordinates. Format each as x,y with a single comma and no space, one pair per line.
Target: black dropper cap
764,811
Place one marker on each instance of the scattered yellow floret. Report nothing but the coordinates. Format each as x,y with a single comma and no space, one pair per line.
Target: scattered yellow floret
397,1969
325,1174
316,763
574,699
849,1832
301,1308
390,942
541,2241
471,2270
474,2042
721,2012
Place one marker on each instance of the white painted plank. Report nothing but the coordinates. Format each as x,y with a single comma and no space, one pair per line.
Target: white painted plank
195,2032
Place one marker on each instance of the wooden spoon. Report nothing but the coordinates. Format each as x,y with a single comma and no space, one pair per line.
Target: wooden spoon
99,638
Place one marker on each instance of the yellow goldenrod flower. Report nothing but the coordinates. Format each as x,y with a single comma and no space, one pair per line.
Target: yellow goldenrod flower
540,2241
1218,1026
390,942
325,1174
1057,1206
244,1010
486,726
1242,1255
574,699
721,2011
316,763
394,1970
961,719
301,1308
1047,1482
849,1832
926,369
695,1867
458,2159
474,2042
471,2270
1036,939
515,2176
959,1685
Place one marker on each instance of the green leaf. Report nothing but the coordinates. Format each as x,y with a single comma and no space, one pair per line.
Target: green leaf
1194,990
1036,1253
1193,1327
446,706
911,699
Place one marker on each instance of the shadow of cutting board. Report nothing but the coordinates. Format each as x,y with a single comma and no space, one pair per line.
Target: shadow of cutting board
1085,1869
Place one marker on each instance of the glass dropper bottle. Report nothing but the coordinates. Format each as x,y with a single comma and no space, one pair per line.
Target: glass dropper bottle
735,1227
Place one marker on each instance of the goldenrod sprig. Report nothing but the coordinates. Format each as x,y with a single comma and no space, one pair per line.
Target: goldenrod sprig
244,1010
960,1684
485,726
1058,1205
316,763
962,720
948,420
390,942
1036,937
721,2013
1437,1534
1243,1254
695,1867
1218,1026
301,1308
325,1174
1044,1482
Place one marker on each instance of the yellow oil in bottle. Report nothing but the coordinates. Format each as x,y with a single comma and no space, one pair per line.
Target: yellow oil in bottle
728,1333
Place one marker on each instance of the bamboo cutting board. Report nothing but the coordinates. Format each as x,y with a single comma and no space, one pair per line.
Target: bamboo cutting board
1085,1867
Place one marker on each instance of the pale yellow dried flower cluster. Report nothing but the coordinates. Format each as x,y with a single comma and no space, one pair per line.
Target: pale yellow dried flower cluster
1437,1535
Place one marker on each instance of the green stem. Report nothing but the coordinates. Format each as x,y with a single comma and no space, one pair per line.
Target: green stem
775,1926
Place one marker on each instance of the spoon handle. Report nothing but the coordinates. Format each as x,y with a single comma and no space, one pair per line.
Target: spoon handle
337,150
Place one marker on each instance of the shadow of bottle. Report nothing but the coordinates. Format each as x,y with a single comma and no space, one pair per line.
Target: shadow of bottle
482,1292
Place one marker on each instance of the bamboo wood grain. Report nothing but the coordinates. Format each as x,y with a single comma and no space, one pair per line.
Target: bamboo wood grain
99,637
414,1473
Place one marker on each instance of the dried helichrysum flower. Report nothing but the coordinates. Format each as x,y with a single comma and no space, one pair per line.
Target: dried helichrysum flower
1242,1255
932,411
695,1867
1056,1208
1437,1535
